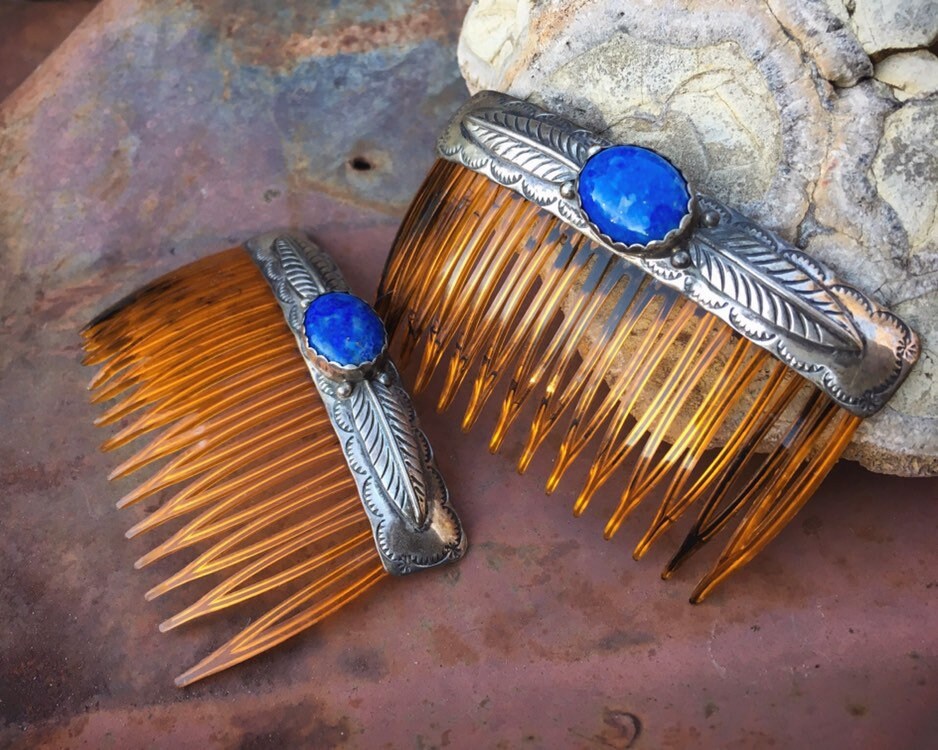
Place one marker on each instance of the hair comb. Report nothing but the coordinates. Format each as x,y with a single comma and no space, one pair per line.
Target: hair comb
636,318
298,474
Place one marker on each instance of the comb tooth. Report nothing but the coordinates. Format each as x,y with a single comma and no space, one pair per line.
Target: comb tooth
156,376
649,474
94,355
180,363
120,334
225,515
173,332
660,413
121,381
697,435
718,510
434,189
462,292
501,250
173,298
434,233
562,353
226,553
654,308
258,475
207,384
173,344
112,367
615,447
519,281
536,359
773,513
196,401
740,450
216,316
621,399
224,319
255,456
231,591
502,264
536,306
276,626
535,325
206,436
414,230
453,228
186,423
294,463
202,377
197,459
216,430
791,452
467,244
593,365
426,287
180,306
774,397
769,483
183,285
502,316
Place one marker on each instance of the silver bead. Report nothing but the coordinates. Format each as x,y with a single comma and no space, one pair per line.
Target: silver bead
711,218
681,259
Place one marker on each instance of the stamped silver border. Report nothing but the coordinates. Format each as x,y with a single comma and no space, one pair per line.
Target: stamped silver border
402,491
765,288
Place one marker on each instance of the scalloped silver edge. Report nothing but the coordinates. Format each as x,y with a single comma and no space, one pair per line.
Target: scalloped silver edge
775,295
389,457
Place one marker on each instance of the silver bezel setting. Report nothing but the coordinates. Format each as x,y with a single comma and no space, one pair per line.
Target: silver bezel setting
655,248
769,291
350,373
388,455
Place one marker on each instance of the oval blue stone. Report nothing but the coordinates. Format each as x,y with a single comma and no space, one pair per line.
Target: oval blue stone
632,194
343,329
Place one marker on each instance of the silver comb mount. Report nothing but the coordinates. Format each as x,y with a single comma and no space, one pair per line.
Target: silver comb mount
780,298
403,494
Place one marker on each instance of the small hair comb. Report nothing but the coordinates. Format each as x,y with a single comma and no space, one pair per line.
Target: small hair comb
537,253
304,476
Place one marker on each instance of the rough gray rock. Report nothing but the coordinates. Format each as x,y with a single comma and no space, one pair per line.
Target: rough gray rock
777,108
894,24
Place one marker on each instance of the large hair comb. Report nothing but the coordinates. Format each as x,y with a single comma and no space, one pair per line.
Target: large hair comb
299,475
536,254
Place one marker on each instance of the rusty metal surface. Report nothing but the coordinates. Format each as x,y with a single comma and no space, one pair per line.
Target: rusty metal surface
160,131
29,31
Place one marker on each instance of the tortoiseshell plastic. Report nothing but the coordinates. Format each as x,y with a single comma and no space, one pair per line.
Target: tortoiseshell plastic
506,302
260,494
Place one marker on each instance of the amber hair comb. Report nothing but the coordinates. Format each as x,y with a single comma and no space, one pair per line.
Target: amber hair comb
294,475
587,286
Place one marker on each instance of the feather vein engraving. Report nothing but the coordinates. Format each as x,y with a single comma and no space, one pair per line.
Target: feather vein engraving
539,148
776,290
296,271
391,447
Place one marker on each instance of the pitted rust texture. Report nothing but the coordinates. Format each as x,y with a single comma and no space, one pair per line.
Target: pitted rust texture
182,123
29,31
123,158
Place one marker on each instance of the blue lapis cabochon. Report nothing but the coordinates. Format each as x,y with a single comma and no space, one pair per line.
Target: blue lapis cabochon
344,329
633,195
